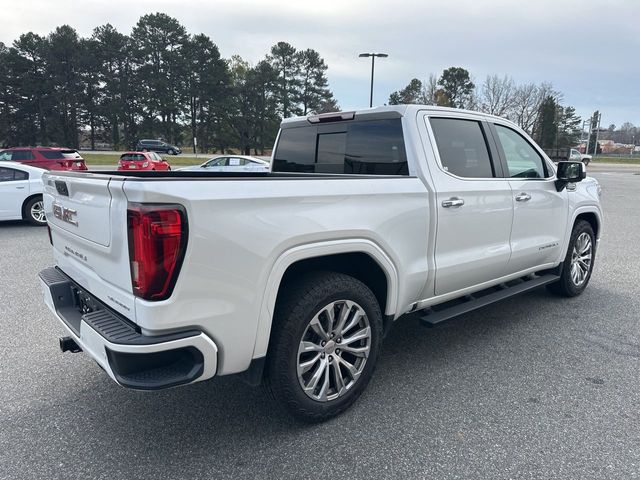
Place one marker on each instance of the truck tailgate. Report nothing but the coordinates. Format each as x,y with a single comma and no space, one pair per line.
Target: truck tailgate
87,215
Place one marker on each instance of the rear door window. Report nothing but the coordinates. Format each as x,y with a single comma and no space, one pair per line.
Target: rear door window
462,147
372,147
10,175
19,155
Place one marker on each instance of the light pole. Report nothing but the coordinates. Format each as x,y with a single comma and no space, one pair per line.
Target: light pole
373,63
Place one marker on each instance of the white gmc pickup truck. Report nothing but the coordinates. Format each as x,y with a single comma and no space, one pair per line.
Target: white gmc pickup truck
292,277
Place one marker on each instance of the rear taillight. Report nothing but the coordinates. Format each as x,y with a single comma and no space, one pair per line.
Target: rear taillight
157,242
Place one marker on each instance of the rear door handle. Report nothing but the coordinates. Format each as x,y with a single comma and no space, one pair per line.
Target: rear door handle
20,188
523,197
453,202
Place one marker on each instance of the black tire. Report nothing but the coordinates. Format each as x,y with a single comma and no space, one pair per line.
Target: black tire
30,209
566,286
586,161
294,311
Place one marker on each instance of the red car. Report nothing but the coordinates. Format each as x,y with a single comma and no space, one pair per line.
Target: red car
142,161
50,158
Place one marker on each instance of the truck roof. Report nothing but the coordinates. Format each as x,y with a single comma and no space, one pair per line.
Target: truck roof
386,111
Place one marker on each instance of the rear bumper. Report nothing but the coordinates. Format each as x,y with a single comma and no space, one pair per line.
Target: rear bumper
132,359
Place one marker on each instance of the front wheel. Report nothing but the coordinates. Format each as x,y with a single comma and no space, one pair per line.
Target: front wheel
324,345
34,212
578,264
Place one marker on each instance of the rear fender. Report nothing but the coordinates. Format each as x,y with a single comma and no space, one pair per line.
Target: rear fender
304,252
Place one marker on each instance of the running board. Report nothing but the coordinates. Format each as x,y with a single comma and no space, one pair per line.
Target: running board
438,314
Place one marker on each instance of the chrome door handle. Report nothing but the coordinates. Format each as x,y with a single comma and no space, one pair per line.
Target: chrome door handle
523,197
453,202
20,188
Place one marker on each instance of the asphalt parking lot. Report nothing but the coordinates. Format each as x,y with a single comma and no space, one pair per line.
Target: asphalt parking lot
533,387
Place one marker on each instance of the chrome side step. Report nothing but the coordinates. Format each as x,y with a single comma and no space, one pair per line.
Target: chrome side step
438,314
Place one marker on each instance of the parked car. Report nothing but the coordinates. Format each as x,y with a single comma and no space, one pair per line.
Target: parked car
293,276
142,161
21,193
49,158
231,163
157,146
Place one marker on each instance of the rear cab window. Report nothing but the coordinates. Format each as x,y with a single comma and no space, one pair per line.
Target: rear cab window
366,147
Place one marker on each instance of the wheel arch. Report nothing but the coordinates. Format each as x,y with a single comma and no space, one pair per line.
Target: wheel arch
27,200
590,214
361,259
592,218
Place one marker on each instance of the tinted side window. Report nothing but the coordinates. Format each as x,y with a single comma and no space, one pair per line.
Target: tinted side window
522,159
22,155
6,174
374,147
296,150
9,175
462,147
52,154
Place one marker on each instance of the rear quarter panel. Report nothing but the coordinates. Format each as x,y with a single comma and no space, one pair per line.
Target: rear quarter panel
239,229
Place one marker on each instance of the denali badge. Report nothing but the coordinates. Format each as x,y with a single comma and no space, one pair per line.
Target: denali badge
65,214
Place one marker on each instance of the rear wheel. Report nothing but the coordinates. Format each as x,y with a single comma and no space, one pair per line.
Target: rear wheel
578,264
324,345
34,212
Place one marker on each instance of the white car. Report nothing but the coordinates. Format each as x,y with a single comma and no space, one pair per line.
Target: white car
21,193
231,163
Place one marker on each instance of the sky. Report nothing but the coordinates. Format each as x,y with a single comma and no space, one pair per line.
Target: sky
588,49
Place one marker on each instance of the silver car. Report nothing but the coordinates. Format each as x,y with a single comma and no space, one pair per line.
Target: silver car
231,163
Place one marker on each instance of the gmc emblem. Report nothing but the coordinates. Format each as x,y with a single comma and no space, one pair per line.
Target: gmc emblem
64,214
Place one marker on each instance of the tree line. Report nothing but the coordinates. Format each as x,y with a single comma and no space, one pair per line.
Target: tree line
156,82
536,108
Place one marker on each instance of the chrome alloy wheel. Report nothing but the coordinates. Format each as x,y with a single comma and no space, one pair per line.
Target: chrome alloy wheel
37,211
334,350
581,259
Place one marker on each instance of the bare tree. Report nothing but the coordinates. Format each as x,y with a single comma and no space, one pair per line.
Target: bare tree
430,92
497,95
527,101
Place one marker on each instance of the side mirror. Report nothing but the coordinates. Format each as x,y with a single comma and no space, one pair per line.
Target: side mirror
569,172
